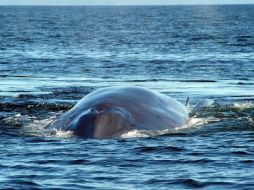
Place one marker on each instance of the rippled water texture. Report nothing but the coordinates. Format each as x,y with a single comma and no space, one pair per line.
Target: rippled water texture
50,57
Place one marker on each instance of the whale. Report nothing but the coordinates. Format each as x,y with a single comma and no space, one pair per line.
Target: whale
112,111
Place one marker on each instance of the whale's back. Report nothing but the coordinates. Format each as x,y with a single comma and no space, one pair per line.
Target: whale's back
119,109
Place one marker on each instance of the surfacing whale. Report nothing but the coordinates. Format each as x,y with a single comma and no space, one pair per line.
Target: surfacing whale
112,111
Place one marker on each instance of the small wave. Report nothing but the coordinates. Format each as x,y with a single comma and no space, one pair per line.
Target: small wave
192,183
173,80
28,125
15,120
241,153
25,182
159,149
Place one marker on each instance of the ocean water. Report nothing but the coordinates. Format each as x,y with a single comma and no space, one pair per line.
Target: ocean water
51,57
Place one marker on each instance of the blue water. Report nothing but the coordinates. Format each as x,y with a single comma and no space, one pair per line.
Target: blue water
50,57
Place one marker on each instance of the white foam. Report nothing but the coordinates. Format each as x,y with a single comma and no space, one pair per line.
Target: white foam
60,133
193,122
242,106
39,128
135,133
251,120
36,127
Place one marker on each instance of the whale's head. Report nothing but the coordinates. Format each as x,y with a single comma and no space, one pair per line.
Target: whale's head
105,123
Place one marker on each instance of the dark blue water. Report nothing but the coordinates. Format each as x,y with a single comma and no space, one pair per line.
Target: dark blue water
50,57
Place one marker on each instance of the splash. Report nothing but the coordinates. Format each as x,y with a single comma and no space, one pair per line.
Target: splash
194,122
40,128
60,133
136,133
242,106
37,127
237,114
199,121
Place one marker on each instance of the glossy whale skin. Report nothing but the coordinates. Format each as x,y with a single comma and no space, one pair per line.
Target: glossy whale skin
112,111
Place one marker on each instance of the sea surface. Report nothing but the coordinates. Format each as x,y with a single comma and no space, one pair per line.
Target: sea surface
51,57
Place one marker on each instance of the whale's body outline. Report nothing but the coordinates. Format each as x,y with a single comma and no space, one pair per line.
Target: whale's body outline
112,111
